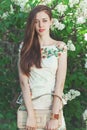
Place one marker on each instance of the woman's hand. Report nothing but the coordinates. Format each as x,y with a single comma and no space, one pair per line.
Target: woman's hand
31,123
54,124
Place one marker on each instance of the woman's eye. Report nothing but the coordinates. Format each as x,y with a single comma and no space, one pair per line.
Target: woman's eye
44,20
36,21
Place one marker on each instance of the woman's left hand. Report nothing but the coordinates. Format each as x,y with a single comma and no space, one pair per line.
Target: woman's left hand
54,124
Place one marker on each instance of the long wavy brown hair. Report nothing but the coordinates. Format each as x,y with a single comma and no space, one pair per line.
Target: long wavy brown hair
31,53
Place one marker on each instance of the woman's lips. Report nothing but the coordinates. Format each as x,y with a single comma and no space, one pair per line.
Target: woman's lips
41,30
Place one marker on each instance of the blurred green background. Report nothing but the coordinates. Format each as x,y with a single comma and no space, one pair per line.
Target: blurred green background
70,25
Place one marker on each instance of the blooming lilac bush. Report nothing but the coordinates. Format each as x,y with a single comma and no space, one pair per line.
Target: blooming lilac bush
72,94
70,21
85,115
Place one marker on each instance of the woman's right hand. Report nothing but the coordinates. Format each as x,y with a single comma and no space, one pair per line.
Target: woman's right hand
31,123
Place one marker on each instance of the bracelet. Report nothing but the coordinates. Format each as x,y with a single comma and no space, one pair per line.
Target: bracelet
58,97
55,116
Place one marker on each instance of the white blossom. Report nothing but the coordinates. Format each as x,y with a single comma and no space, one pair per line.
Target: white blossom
73,2
85,61
82,11
64,101
58,24
55,21
81,20
70,14
85,36
85,55
70,45
85,64
72,94
85,115
48,1
18,2
11,9
61,8
5,15
83,7
24,6
61,26
44,2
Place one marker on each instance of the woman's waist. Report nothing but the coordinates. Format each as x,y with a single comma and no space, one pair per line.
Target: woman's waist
36,97
37,93
39,85
44,102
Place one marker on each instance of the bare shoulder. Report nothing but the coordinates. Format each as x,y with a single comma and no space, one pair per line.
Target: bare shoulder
61,45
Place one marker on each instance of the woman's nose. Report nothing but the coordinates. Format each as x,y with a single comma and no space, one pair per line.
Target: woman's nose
40,24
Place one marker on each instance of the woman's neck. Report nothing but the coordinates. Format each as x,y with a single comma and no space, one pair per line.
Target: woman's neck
45,40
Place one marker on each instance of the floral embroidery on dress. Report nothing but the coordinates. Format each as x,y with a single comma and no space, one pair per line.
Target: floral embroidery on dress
48,52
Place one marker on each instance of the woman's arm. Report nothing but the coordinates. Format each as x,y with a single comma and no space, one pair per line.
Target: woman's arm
60,79
31,120
56,120
24,84
26,91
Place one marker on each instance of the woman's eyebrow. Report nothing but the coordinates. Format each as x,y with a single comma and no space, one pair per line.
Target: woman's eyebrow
42,18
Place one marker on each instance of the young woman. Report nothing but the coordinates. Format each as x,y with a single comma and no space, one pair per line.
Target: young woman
42,69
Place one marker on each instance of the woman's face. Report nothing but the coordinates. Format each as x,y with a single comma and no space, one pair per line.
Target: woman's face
42,23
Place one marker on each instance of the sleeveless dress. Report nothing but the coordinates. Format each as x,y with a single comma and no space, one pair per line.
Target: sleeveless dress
42,80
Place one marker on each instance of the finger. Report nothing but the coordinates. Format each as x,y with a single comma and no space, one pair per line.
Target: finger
29,128
54,129
49,128
59,124
26,128
33,128
46,127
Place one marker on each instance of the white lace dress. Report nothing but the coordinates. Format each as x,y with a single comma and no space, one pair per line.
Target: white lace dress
42,80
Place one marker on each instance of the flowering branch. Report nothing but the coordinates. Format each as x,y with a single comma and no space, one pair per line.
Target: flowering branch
85,115
72,94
